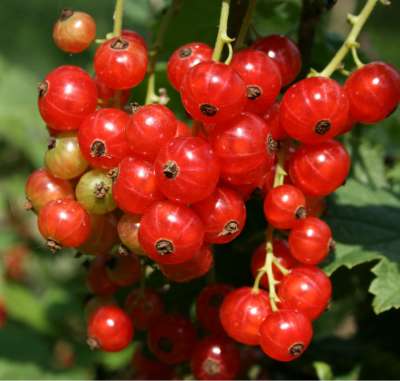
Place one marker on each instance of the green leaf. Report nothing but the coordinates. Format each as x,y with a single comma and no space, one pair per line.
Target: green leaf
323,370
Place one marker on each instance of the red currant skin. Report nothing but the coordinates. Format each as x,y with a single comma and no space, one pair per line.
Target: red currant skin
132,35
373,91
309,240
223,214
128,231
282,254
261,76
208,304
66,96
285,335
97,279
284,205
121,63
144,308
187,169
213,92
107,96
64,223
109,329
314,110
272,117
319,170
149,128
170,233
242,312
284,52
182,129
135,188
172,339
41,188
215,358
149,368
123,270
184,58
306,289
74,31
195,267
102,138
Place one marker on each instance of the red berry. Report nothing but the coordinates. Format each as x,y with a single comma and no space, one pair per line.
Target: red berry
208,304
182,129
285,335
108,97
123,270
102,138
272,117
66,96
172,339
128,230
144,308
319,170
281,253
195,267
314,110
215,358
187,170
121,63
149,128
97,279
242,312
213,92
261,76
135,188
15,263
184,58
110,329
64,223
170,233
223,214
41,188
309,240
284,52
74,31
132,35
148,368
373,91
252,179
95,302
306,289
315,206
284,205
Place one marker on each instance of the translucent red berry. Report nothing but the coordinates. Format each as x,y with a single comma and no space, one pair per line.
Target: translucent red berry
242,312
187,169
66,96
272,117
128,230
213,92
261,76
123,270
121,63
182,129
110,97
97,279
184,58
146,367
319,170
285,335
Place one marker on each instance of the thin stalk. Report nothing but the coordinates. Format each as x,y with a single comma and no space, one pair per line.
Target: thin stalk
244,29
118,14
222,36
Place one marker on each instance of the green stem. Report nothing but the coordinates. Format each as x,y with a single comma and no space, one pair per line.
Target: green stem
222,36
244,29
118,14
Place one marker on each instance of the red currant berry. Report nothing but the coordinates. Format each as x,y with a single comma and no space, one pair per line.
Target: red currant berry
319,170
252,179
284,52
315,206
281,253
121,63
97,279
195,267
15,263
187,170
149,128
64,223
272,117
123,270
102,138
144,307
309,240
215,358
284,205
148,368
172,339
314,110
41,188
305,289
74,31
128,230
66,96
373,91
242,312
184,58
95,302
110,329
261,76
135,187
285,335
208,304
170,233
182,129
223,214
212,92
108,97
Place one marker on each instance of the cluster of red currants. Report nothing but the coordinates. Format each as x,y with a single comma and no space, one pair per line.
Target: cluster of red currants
136,177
